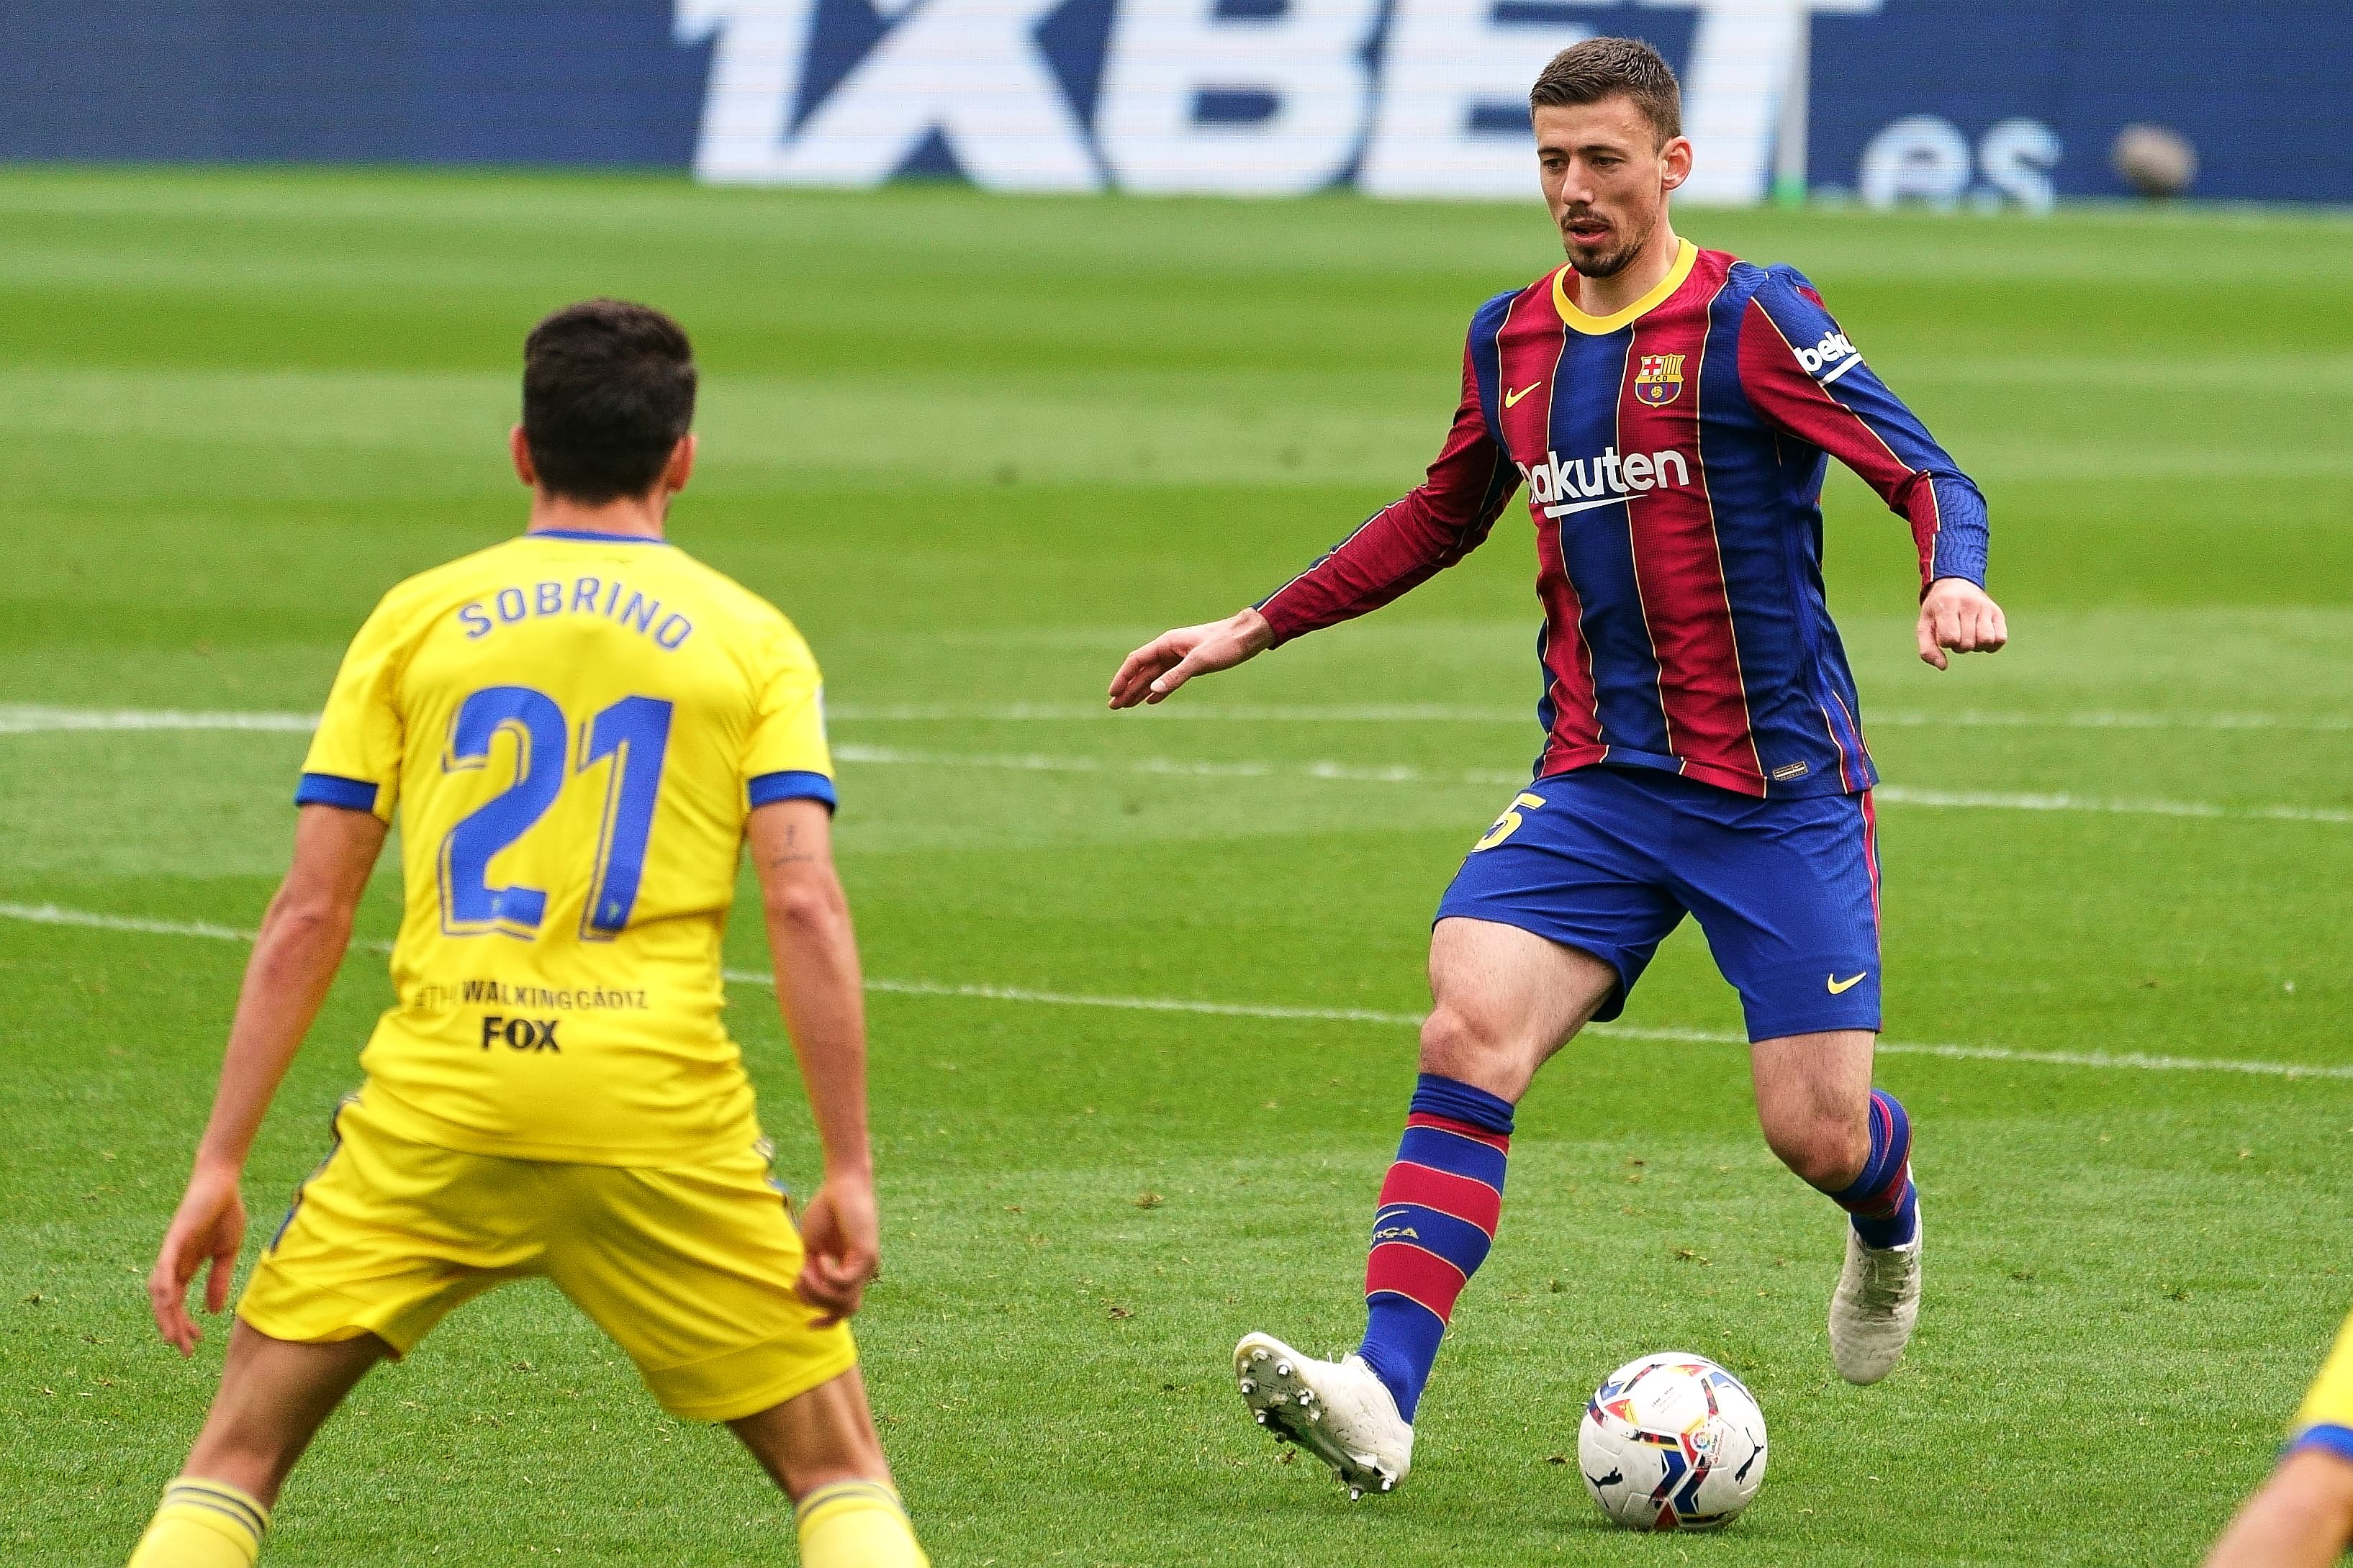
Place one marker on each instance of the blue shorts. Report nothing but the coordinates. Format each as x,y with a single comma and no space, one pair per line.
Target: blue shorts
1608,861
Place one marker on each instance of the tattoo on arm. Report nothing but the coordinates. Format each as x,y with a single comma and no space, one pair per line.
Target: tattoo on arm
794,854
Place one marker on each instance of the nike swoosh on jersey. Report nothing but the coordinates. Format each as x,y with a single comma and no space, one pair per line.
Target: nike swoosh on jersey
1511,398
1566,508
1841,987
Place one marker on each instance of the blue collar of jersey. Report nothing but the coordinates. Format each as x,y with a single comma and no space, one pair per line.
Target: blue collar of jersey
591,535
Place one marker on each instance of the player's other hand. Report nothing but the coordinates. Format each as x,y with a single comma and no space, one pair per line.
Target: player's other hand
208,1227
1158,669
1958,615
843,1236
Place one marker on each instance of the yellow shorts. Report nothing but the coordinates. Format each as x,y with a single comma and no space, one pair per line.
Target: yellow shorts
690,1271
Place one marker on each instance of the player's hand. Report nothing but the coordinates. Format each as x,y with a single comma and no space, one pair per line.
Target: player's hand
1958,615
209,1226
842,1237
1172,658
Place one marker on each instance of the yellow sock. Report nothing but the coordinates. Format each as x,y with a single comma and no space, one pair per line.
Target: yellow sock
857,1524
203,1525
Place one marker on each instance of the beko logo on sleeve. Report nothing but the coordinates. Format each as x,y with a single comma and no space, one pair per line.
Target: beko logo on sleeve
1830,359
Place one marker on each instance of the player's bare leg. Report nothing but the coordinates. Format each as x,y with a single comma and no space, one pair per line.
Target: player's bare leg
274,1397
816,1438
1813,1101
1504,1001
821,1448
1820,1115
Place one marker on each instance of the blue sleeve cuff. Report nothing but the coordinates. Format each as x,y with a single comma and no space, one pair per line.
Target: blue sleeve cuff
798,785
332,789
2328,1437
1961,541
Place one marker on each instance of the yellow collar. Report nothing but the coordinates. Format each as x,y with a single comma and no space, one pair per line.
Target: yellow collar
1686,255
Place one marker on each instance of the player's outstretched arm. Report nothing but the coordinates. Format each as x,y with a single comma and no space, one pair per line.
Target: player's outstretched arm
1158,669
295,957
1957,614
823,999
1396,549
2303,1517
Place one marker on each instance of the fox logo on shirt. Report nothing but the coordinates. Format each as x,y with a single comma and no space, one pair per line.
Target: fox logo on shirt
521,1033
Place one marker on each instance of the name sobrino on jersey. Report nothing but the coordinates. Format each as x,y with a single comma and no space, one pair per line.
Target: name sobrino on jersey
513,605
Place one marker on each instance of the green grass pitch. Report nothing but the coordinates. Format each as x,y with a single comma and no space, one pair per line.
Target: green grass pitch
978,448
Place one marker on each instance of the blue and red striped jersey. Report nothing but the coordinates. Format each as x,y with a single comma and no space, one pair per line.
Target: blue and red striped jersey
1673,455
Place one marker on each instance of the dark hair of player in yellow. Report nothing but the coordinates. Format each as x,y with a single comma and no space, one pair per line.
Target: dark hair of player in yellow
608,390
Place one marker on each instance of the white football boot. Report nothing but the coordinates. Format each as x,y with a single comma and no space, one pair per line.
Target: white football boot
1340,1411
1874,1307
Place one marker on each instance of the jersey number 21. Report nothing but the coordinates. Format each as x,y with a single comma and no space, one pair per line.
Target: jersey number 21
634,733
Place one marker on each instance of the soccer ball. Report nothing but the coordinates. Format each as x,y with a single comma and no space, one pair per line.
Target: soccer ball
2154,159
1672,1442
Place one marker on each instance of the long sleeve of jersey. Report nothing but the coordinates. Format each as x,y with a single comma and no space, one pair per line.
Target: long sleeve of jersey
1412,539
1803,376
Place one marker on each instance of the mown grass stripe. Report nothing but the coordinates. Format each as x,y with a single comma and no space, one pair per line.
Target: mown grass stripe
52,914
32,717
1890,795
24,720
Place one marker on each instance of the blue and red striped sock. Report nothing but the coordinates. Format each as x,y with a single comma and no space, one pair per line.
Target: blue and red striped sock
1439,1208
1886,1210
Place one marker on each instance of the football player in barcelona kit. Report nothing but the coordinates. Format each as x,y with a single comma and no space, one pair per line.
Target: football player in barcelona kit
1669,412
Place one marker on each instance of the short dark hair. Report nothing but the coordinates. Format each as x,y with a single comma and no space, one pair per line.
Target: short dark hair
608,390
1602,67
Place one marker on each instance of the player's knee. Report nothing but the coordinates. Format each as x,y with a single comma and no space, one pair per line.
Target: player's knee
1827,1152
1458,1044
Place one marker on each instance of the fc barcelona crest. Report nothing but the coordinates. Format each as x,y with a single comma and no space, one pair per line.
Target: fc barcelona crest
1658,380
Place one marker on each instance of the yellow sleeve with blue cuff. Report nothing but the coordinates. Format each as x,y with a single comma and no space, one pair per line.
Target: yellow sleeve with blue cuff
2325,1419
355,757
787,757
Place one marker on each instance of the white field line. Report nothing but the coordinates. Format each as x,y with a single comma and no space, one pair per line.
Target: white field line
1901,794
23,719
1453,713
2105,719
2136,1061
51,915
1892,795
26,719
1177,767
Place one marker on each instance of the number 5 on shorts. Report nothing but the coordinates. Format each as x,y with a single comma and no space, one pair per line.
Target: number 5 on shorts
1509,822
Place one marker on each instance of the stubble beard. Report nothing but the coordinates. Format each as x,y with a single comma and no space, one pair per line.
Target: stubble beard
1610,263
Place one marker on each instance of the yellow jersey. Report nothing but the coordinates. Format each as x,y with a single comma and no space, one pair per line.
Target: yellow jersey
2325,1420
570,728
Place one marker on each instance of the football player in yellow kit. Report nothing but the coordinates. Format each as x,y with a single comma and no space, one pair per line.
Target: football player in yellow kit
2303,1517
580,730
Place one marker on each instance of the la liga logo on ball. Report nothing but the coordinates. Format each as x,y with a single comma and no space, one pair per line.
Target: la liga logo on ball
1672,1442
